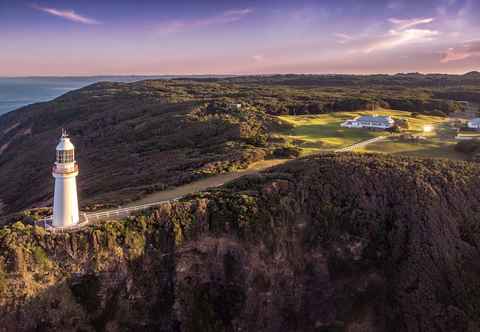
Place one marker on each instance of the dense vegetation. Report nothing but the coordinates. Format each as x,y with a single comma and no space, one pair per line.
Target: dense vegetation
145,136
130,140
314,94
469,147
327,243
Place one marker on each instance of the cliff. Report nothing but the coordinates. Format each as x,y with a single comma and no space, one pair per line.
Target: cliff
327,243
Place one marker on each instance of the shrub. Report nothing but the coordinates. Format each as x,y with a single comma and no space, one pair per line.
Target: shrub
3,282
469,147
402,123
40,257
395,129
286,152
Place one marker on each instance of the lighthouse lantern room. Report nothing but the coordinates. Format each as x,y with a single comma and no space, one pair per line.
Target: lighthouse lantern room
65,171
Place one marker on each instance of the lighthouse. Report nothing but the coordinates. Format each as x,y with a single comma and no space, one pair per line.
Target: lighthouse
65,171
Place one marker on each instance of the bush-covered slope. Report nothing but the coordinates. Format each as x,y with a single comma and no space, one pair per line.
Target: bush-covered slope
329,243
130,139
143,136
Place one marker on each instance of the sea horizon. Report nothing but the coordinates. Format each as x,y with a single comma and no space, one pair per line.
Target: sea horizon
19,91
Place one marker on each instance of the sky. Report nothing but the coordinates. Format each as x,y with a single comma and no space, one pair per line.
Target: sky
184,37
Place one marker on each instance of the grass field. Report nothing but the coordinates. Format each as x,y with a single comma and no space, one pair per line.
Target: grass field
472,134
432,147
315,133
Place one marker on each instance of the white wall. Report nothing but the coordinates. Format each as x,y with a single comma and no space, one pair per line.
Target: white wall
65,201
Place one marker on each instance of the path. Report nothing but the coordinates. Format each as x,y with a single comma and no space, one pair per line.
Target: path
160,197
361,144
210,182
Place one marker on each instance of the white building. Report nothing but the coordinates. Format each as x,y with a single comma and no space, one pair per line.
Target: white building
65,171
370,121
474,124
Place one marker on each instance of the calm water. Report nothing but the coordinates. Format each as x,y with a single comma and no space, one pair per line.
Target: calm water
18,92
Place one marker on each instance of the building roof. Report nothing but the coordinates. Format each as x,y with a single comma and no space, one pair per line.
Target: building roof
374,118
475,121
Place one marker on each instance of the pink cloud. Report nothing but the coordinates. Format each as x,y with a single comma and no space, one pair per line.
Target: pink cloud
343,38
226,17
397,38
258,57
462,52
67,14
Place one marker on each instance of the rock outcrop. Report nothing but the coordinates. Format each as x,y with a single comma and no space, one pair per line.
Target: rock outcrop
326,243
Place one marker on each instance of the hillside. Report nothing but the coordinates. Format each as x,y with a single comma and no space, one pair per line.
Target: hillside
141,137
131,139
328,243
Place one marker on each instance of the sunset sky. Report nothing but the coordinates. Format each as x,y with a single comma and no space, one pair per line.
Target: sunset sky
113,37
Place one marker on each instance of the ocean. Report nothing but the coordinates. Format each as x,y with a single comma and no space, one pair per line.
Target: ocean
18,92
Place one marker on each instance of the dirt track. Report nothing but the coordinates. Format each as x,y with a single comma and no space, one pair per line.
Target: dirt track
210,182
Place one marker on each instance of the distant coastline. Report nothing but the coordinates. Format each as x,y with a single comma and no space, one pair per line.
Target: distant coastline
16,92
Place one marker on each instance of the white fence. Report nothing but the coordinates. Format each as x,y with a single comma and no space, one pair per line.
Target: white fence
94,217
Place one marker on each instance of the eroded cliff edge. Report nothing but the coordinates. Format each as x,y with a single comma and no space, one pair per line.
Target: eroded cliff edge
326,243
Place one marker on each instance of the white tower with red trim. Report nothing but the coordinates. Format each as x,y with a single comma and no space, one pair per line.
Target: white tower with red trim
65,171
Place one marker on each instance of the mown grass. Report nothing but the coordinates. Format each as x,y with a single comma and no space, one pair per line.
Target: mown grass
432,147
474,134
315,133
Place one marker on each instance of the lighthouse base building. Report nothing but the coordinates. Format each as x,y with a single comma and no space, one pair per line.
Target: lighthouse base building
65,171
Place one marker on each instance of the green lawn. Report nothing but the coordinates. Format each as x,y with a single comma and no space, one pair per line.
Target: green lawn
433,147
473,134
315,133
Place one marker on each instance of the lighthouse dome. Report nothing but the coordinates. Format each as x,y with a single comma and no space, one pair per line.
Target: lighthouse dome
65,150
65,144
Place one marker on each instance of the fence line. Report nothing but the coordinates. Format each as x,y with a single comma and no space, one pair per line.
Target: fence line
95,217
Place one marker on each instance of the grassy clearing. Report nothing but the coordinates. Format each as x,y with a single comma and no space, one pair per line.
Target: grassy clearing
315,133
433,147
473,134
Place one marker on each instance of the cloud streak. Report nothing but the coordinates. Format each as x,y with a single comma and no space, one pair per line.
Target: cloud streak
396,38
227,17
343,38
67,14
462,52
402,24
403,32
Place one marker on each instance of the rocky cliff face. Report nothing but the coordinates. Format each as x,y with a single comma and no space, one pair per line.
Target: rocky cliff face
328,243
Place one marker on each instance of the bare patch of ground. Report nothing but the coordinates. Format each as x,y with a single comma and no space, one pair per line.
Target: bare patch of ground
17,135
15,125
4,147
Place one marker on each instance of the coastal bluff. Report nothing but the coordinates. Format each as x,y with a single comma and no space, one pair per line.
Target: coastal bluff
335,242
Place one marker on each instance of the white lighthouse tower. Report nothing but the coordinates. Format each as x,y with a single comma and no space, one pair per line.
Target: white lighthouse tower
65,171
